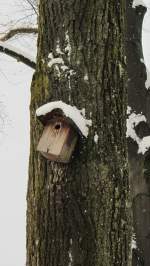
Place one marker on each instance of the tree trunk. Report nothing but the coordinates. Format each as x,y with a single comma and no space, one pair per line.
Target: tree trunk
78,214
139,169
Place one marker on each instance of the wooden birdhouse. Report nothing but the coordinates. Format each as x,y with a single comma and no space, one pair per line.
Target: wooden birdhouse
59,137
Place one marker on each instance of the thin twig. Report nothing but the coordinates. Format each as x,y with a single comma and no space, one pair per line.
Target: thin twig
33,6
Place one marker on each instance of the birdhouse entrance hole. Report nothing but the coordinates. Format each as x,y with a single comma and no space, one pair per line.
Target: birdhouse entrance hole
57,126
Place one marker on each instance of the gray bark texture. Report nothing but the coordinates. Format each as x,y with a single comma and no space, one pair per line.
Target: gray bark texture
139,164
78,214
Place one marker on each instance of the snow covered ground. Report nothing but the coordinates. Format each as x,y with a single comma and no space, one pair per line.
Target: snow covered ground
15,79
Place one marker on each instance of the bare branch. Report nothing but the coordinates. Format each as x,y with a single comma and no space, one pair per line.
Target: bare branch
17,54
33,5
17,31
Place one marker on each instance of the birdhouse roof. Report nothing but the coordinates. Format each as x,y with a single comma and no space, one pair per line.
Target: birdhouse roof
61,109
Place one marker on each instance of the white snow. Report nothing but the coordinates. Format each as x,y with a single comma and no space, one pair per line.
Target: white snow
132,121
59,65
82,111
86,78
96,138
55,61
147,83
133,241
72,72
64,68
68,47
142,60
18,51
50,56
69,85
128,110
138,3
57,71
133,244
144,145
37,242
58,50
70,258
69,111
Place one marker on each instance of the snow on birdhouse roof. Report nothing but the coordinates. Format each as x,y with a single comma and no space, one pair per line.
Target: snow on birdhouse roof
72,112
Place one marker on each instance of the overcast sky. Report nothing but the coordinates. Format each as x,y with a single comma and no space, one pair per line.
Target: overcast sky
15,79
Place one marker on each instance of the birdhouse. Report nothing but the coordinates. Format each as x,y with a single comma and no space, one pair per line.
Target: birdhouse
59,137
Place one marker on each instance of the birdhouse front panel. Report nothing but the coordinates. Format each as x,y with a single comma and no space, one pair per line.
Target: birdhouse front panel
58,140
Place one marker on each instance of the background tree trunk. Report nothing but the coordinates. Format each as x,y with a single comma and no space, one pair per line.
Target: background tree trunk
78,214
139,164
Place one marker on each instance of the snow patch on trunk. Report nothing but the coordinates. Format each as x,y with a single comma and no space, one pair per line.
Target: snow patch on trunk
132,121
86,78
96,138
133,242
147,83
55,61
58,50
68,47
144,145
138,3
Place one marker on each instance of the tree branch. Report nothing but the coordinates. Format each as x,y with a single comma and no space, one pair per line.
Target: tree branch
31,3
17,54
16,31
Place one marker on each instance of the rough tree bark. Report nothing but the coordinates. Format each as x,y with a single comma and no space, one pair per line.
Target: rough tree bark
139,164
78,214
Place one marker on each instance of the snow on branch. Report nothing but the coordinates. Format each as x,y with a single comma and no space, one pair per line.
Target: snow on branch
17,31
138,3
18,54
69,111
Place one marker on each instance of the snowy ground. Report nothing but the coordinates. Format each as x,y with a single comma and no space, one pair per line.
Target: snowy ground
15,81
